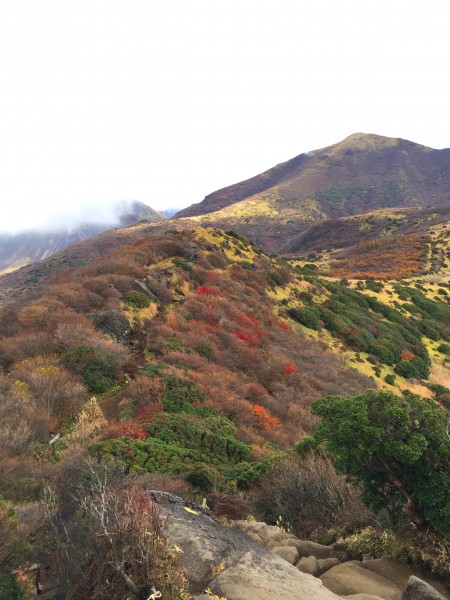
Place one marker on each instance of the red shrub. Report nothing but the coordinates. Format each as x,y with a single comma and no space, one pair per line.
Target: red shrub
289,368
264,418
205,290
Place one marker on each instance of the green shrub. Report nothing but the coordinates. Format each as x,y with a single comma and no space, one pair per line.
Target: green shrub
136,299
98,370
305,316
182,264
205,349
444,348
390,379
396,447
416,368
180,394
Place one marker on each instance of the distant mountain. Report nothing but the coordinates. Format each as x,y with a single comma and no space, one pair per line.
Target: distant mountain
364,172
169,212
17,250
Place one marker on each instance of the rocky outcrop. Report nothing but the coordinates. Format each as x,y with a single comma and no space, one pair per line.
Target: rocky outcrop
351,578
256,561
228,562
113,323
417,589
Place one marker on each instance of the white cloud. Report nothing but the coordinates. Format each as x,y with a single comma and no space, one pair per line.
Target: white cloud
168,100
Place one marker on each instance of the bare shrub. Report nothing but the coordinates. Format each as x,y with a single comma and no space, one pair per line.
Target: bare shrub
53,387
308,495
25,345
117,536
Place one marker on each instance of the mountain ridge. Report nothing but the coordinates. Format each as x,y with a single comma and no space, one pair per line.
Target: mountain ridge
363,172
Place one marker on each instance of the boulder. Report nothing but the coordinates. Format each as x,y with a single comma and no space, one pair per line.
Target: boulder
351,578
306,548
289,553
308,564
362,597
325,564
227,561
254,579
417,589
113,323
139,286
400,573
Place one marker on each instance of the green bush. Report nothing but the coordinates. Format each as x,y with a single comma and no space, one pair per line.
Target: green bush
136,299
390,379
444,348
98,370
10,589
396,447
180,394
414,369
182,264
305,316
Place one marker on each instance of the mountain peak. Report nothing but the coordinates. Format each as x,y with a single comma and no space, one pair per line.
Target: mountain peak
366,142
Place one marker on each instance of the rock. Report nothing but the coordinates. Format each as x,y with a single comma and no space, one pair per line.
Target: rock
362,597
351,578
308,564
139,286
289,553
248,571
325,564
400,573
272,533
254,579
113,323
306,548
366,557
255,537
417,589
268,533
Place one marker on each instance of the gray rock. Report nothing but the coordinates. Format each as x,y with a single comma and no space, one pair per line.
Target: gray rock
417,589
351,578
248,570
254,579
139,286
113,323
255,537
308,564
362,597
289,553
325,564
306,548
400,573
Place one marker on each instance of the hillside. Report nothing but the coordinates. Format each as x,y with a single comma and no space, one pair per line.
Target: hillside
188,360
362,173
383,244
19,249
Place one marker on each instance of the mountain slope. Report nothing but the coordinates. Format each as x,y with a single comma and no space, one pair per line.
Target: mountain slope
362,173
17,250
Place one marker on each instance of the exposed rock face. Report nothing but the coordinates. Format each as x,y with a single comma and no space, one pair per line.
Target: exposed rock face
351,578
255,561
228,562
417,589
113,323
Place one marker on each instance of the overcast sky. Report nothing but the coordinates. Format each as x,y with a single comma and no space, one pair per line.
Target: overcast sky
165,101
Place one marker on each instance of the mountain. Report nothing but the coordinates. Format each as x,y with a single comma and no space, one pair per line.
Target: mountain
165,356
17,250
362,173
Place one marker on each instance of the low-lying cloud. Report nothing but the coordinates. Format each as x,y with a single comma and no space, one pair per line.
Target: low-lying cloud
61,216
